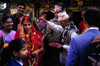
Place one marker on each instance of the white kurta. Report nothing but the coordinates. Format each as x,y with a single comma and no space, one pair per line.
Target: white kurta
60,28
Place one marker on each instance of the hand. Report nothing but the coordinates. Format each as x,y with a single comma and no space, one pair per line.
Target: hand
35,53
44,36
97,39
59,45
94,62
20,29
43,19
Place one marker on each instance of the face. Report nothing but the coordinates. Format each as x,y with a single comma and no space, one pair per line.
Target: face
85,23
45,16
71,15
38,24
20,9
23,53
56,14
64,23
8,24
82,14
27,26
43,31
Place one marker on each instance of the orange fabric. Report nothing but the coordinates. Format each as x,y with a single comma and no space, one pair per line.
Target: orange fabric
85,29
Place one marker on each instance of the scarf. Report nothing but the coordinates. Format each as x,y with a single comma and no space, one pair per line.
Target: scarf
71,26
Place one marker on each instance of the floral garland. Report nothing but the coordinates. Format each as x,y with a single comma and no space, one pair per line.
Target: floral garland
5,45
30,42
87,28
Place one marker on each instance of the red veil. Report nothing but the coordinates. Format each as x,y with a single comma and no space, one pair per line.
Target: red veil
36,40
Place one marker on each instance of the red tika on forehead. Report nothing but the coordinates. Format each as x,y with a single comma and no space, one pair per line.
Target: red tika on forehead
26,19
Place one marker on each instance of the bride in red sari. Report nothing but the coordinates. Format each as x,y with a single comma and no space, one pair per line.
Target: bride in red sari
26,31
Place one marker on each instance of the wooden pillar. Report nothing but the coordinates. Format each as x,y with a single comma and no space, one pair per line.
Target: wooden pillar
36,10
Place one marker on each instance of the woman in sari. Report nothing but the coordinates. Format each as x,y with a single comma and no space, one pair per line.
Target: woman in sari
26,31
36,24
6,33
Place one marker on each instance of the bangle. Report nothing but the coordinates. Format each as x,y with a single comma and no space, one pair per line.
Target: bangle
22,36
40,50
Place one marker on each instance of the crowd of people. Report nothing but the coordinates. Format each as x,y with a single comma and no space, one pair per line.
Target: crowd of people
26,41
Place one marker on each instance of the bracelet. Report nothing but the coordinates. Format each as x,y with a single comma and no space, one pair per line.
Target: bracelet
40,50
22,36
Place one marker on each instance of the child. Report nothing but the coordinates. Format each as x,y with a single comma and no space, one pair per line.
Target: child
12,54
43,31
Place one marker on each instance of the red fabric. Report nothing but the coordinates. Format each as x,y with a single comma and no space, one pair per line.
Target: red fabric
36,40
41,54
40,38
81,26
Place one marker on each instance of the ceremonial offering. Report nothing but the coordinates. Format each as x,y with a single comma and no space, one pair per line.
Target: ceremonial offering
53,44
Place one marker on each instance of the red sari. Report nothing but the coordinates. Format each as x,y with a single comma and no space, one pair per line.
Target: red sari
34,42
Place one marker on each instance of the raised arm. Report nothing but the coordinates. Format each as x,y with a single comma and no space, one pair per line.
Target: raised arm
52,25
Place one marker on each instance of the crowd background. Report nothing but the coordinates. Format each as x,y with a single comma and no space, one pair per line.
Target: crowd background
41,25
36,8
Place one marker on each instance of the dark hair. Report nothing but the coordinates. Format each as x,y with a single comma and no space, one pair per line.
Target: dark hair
43,28
69,12
84,9
28,18
15,45
5,18
92,17
21,3
43,13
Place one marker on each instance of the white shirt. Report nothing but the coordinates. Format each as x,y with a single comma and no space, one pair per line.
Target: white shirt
20,62
91,28
60,28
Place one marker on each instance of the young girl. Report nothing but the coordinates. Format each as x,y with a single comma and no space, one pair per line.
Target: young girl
27,32
13,53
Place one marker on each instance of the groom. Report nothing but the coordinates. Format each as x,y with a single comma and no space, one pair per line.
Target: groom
80,46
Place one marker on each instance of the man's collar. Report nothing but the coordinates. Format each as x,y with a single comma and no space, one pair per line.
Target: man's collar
17,15
92,28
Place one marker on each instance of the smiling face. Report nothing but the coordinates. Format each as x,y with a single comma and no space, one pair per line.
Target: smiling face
23,53
27,26
20,9
8,24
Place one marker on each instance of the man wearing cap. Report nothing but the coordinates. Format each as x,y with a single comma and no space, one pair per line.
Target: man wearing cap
53,36
68,30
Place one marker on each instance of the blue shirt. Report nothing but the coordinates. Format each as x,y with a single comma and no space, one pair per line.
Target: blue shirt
14,62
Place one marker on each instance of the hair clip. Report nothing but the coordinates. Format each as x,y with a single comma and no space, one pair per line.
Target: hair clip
5,45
